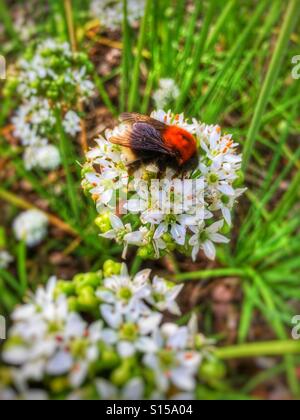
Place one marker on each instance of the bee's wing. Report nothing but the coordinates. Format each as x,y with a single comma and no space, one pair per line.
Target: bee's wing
144,138
132,118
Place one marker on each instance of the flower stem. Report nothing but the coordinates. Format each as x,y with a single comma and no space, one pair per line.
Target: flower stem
206,274
64,145
125,58
136,70
70,23
22,273
269,348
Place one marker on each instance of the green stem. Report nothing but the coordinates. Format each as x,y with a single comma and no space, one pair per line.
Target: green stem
206,274
64,144
136,265
290,20
125,58
269,348
70,24
199,49
104,95
22,266
136,70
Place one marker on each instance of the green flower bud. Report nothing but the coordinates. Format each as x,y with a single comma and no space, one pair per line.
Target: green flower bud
146,252
64,288
167,238
103,222
82,281
87,299
212,370
73,304
111,268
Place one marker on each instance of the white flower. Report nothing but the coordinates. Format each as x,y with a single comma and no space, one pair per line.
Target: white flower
5,259
30,121
204,238
226,204
31,226
125,289
45,157
47,342
51,340
71,123
133,390
163,296
173,363
130,329
167,92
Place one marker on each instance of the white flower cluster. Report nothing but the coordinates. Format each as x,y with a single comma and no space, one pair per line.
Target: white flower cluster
166,94
110,12
189,211
52,75
31,226
114,353
5,259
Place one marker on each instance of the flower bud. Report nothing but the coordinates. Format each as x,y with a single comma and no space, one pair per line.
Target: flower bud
111,268
64,288
212,370
103,222
90,279
87,299
73,304
146,252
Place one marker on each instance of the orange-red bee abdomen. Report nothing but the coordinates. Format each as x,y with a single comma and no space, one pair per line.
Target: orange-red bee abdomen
181,141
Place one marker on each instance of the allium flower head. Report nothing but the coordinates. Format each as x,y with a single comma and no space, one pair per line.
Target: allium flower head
51,82
45,157
96,337
110,12
31,226
159,211
56,73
